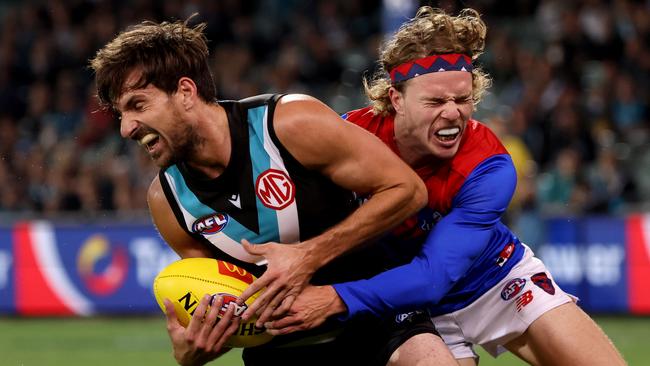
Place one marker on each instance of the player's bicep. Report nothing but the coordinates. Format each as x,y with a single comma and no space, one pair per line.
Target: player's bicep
359,161
168,227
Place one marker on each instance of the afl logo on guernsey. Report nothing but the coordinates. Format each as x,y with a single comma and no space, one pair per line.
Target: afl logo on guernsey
274,188
210,224
512,288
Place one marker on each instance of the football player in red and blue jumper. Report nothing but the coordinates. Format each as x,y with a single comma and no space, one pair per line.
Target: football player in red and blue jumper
480,284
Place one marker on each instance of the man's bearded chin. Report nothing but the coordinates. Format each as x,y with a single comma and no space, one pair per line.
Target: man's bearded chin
184,146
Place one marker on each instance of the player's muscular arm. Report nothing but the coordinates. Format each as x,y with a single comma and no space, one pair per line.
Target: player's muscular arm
168,227
352,158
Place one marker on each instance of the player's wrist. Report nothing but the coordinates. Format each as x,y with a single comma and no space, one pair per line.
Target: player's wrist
314,255
337,306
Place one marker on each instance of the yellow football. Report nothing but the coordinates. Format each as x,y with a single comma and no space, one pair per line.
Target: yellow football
186,281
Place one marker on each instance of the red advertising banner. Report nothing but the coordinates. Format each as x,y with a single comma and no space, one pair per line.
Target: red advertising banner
638,263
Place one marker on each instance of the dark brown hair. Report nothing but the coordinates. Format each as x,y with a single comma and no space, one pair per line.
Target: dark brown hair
162,52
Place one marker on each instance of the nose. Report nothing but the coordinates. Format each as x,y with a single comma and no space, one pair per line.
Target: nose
128,126
450,111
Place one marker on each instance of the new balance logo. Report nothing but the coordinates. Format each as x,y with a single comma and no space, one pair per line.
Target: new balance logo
524,300
234,199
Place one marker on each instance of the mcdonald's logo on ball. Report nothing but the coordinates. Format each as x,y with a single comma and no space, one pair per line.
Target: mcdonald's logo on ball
229,269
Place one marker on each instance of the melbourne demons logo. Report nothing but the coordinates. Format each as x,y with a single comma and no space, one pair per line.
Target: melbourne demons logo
275,189
542,281
210,224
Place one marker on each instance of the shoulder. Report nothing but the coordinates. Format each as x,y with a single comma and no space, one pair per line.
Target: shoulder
293,107
380,125
155,195
481,140
299,113
479,144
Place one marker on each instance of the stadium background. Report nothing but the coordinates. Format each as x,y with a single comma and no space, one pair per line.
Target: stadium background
77,249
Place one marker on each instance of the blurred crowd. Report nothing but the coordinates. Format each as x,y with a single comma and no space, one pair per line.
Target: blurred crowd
569,96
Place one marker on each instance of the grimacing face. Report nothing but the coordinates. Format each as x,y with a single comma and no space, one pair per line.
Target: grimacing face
432,113
153,119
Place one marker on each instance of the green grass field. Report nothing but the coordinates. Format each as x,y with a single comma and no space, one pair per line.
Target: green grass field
143,341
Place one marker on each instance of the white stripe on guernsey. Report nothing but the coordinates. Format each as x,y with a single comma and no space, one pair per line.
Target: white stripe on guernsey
288,227
233,248
645,229
49,261
187,216
220,239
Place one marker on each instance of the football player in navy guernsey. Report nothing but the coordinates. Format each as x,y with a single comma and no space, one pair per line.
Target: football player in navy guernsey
266,169
480,283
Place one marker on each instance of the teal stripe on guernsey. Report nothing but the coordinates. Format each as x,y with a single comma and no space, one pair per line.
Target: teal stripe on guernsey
191,203
261,161
187,198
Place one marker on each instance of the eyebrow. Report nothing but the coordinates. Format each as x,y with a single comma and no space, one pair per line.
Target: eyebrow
440,99
131,101
465,96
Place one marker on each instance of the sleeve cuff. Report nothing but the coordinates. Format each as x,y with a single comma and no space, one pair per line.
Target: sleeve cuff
343,290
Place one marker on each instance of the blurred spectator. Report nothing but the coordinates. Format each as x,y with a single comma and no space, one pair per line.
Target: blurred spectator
606,181
562,189
628,110
568,128
566,74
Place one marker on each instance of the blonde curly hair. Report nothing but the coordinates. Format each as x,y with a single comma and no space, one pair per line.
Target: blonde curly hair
431,32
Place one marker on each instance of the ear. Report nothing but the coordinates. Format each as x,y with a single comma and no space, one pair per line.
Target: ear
187,92
396,99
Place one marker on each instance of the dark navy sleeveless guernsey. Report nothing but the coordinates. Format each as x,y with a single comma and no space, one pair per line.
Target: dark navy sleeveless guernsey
263,194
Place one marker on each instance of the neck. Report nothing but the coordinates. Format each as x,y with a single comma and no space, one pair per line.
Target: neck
408,150
413,158
404,152
213,148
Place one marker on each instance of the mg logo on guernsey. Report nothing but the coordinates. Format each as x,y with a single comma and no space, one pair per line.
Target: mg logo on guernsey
210,224
275,189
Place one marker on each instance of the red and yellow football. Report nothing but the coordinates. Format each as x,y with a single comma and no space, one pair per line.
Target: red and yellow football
186,281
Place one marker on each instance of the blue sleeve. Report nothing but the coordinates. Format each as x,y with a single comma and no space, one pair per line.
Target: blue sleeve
447,252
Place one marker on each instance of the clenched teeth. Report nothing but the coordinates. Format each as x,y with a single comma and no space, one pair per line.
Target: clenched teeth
448,131
147,138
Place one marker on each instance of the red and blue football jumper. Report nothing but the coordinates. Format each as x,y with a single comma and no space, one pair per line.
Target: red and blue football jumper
466,249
